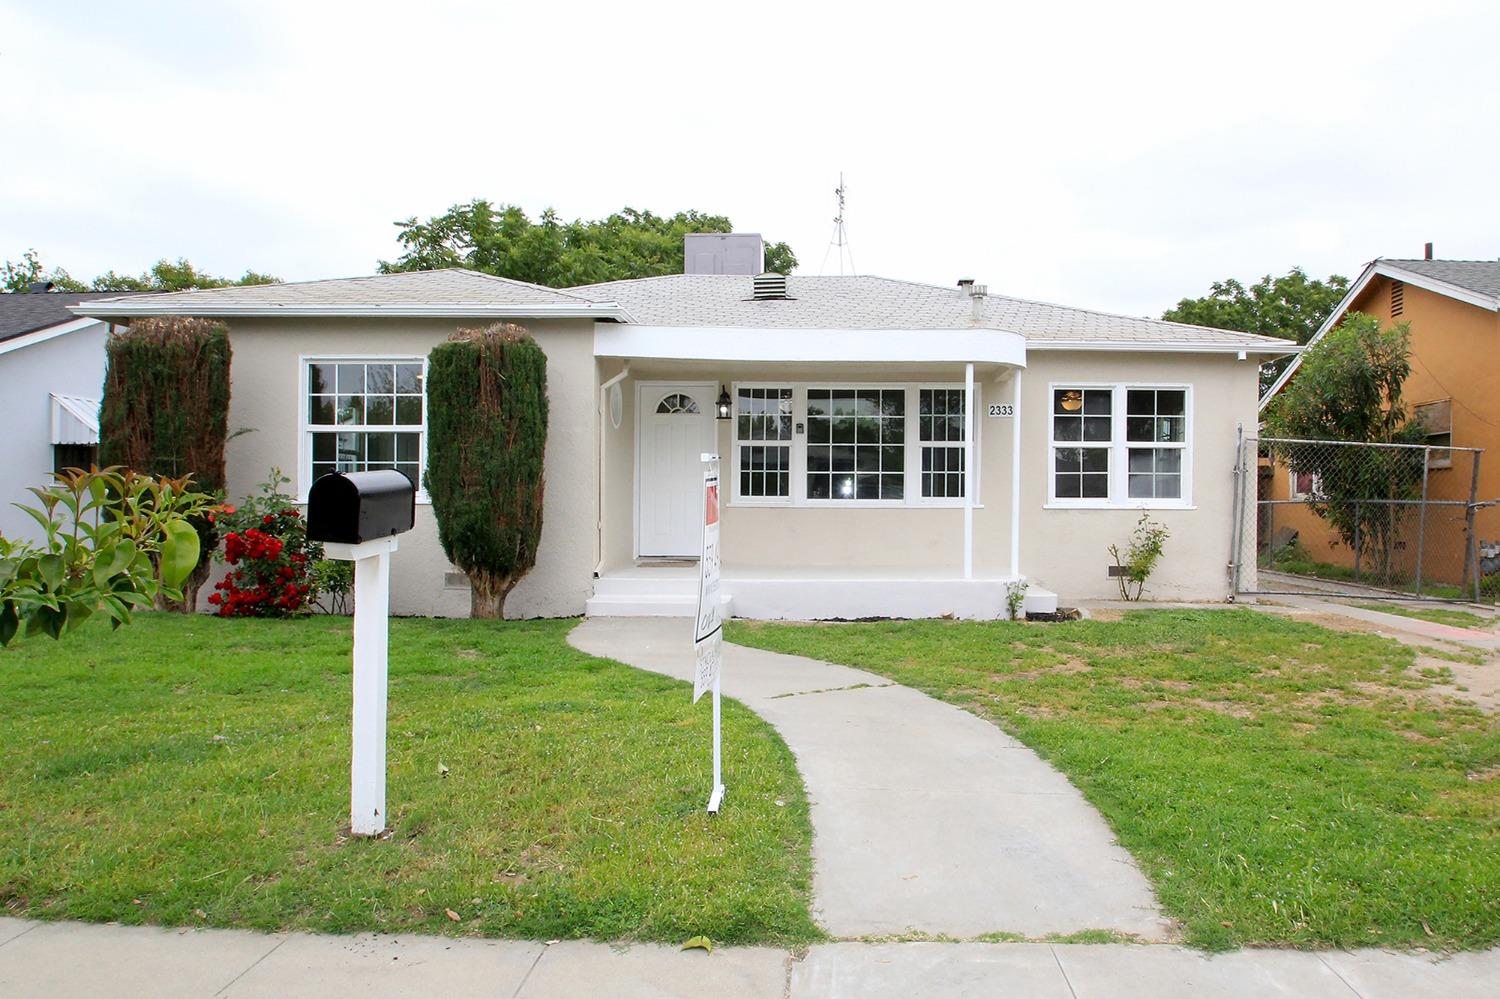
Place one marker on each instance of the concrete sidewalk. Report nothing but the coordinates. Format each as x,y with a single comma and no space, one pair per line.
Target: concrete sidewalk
84,961
925,817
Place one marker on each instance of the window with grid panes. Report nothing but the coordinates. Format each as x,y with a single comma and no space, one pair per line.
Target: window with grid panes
763,435
856,443
1156,417
943,431
364,415
1082,435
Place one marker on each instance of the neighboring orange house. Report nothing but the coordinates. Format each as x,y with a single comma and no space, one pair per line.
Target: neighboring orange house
1453,308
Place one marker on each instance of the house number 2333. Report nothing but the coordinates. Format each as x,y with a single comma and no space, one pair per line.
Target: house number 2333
1002,409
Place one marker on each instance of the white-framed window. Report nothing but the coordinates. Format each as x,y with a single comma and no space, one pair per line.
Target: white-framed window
1437,422
1304,485
942,428
362,413
1120,445
877,444
763,440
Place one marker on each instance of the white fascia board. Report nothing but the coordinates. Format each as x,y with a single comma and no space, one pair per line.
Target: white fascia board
729,343
45,334
1438,287
1161,347
411,310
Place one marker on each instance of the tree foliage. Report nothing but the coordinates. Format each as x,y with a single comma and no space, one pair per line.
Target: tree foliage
503,240
164,275
1292,307
1348,388
487,438
165,410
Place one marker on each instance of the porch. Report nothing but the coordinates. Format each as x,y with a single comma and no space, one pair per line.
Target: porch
811,593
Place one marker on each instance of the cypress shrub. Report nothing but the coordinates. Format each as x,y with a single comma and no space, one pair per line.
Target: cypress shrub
165,410
486,439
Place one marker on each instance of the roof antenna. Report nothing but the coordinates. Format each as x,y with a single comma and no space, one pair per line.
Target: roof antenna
840,234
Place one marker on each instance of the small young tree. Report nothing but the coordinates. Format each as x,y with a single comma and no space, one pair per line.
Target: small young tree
486,438
1348,388
165,411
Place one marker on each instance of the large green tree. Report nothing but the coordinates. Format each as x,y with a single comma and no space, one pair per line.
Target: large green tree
1291,307
1348,388
503,240
486,441
164,275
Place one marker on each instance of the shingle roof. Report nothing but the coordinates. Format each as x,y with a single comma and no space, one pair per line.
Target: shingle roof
32,311
1481,276
865,302
452,286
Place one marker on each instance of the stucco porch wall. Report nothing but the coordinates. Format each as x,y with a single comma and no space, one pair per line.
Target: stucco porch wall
1067,549
911,537
267,401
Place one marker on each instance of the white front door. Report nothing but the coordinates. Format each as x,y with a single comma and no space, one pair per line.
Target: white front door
676,424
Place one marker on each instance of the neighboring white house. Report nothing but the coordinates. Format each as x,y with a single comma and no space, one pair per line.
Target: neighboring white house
890,448
51,373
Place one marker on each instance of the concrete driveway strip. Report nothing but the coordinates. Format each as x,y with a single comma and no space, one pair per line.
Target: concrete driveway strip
925,818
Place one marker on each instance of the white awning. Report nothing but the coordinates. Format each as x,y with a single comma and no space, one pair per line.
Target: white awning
75,419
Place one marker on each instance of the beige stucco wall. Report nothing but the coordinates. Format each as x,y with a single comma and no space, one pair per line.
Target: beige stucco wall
266,401
1066,550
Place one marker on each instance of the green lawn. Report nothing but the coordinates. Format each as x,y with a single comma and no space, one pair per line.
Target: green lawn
191,770
1280,783
1437,615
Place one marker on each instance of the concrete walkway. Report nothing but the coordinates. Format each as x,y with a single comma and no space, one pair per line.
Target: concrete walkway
925,817
68,960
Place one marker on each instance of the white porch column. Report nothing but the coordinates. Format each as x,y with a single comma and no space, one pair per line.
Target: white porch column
1015,475
969,427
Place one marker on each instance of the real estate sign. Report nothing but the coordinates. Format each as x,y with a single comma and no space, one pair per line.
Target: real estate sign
708,631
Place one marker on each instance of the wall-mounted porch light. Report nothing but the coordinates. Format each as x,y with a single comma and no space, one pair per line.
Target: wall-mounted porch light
725,404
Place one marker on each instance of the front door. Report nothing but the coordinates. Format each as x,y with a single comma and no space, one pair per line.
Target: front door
676,424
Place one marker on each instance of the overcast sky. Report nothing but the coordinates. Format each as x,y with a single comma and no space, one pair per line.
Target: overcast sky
1115,156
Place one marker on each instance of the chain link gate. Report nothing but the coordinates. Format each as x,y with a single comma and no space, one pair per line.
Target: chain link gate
1376,520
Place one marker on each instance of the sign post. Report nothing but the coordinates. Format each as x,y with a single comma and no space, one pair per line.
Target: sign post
708,624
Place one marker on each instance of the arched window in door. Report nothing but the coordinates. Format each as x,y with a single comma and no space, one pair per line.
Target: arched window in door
677,403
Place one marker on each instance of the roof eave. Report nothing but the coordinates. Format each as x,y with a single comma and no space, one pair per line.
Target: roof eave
397,310
1168,347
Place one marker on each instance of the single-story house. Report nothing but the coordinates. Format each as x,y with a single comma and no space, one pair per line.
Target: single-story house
889,448
51,373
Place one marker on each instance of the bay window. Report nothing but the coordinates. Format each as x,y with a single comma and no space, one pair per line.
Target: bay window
1119,445
362,415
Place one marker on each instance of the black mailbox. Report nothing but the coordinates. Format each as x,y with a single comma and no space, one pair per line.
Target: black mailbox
354,507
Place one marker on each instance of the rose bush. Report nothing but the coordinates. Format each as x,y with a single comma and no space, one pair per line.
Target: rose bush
270,558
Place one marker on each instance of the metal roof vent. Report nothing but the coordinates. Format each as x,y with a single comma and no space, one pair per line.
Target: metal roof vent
769,287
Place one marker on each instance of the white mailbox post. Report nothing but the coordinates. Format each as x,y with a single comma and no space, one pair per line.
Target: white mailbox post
356,517
372,601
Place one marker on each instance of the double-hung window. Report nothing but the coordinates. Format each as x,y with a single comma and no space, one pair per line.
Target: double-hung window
1125,445
944,433
364,414
763,438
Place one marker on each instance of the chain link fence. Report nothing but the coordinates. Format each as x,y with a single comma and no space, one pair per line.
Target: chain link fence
1400,518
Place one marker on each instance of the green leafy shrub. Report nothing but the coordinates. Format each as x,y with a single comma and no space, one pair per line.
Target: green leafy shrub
1136,564
165,411
487,437
113,540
